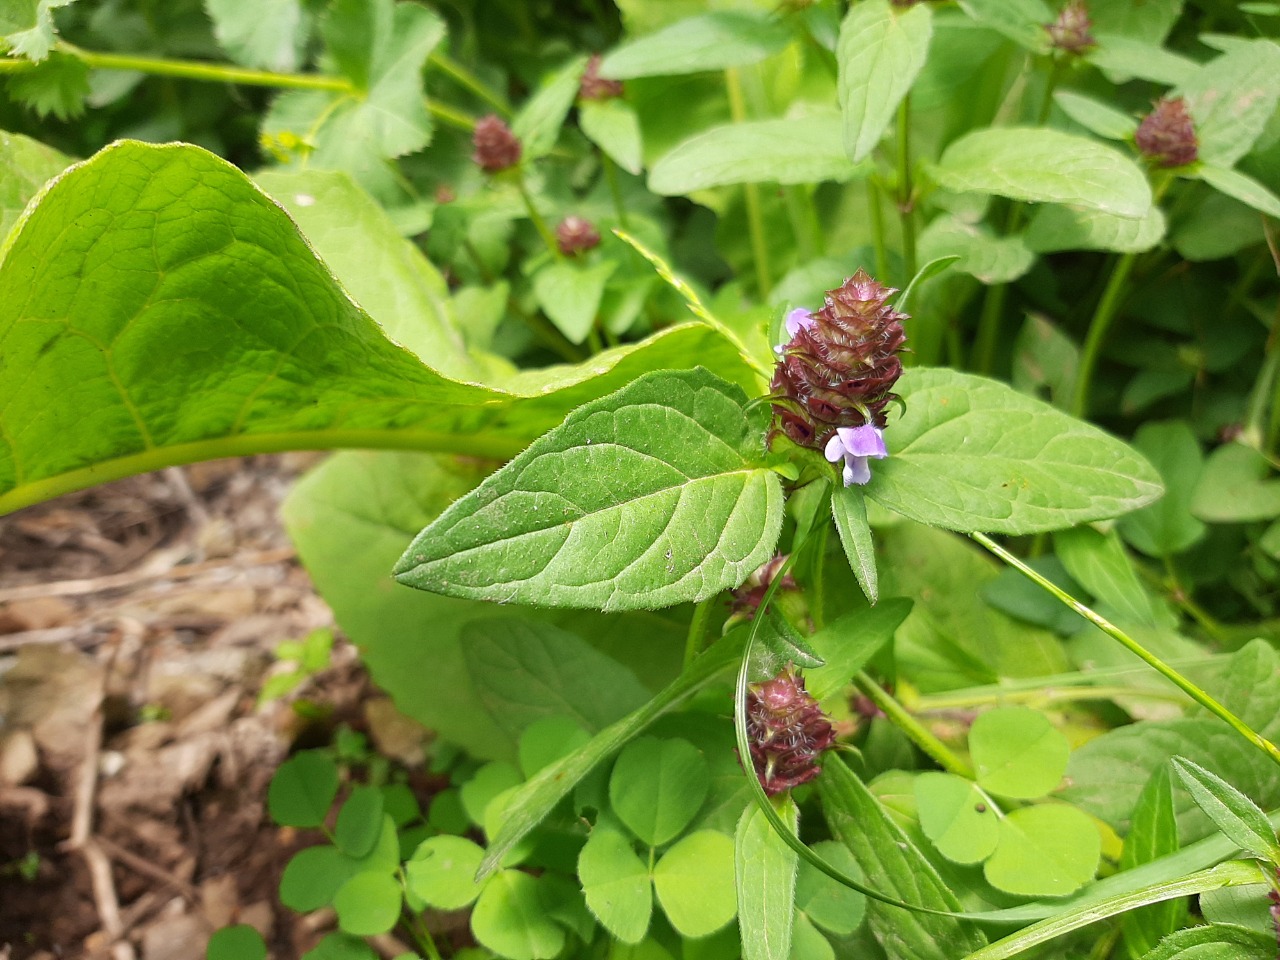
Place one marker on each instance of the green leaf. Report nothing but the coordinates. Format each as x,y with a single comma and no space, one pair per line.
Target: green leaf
1046,850
1232,873
894,866
509,919
1043,165
58,85
240,942
1242,187
1022,21
799,150
1053,228
368,904
537,798
1149,20
826,903
313,876
849,509
569,294
1214,942
1242,471
1099,563
848,644
808,943
26,27
524,671
442,872
616,884
25,166
956,816
766,883
487,782
1231,98
972,454
539,121
547,740
386,274
269,34
1234,814
340,946
1126,57
272,353
645,498
302,790
880,52
1045,359
711,41
978,251
359,821
1153,834
657,787
1095,116
1108,773
1017,752
695,883
612,125
1167,527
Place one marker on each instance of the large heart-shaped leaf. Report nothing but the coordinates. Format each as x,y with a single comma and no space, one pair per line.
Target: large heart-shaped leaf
973,454
651,496
157,308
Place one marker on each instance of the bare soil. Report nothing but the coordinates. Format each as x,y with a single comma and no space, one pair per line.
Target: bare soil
137,625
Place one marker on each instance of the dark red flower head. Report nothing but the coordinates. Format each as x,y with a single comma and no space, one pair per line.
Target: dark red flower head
746,599
596,87
1070,31
575,235
840,365
497,148
1166,135
786,731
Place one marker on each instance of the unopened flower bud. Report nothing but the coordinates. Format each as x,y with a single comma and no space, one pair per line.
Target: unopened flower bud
575,235
786,731
1070,31
747,598
835,375
497,148
1166,135
596,87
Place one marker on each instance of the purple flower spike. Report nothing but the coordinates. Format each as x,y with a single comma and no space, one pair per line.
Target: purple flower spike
855,445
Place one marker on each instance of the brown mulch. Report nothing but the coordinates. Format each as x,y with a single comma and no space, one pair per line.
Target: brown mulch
137,624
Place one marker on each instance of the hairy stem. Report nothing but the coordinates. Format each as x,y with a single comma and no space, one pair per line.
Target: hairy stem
906,190
921,736
1108,307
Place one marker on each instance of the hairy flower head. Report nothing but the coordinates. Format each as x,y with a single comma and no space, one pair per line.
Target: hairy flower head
1166,135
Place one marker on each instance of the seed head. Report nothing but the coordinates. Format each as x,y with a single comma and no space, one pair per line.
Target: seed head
596,87
497,148
1166,135
1070,31
840,365
575,235
786,731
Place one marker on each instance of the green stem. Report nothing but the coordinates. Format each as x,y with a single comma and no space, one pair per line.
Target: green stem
877,228
469,81
450,115
1133,646
539,223
195,70
615,189
1108,306
906,190
913,728
751,194
698,629
804,224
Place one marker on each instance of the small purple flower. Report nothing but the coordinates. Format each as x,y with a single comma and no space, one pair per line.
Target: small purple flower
855,445
797,320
